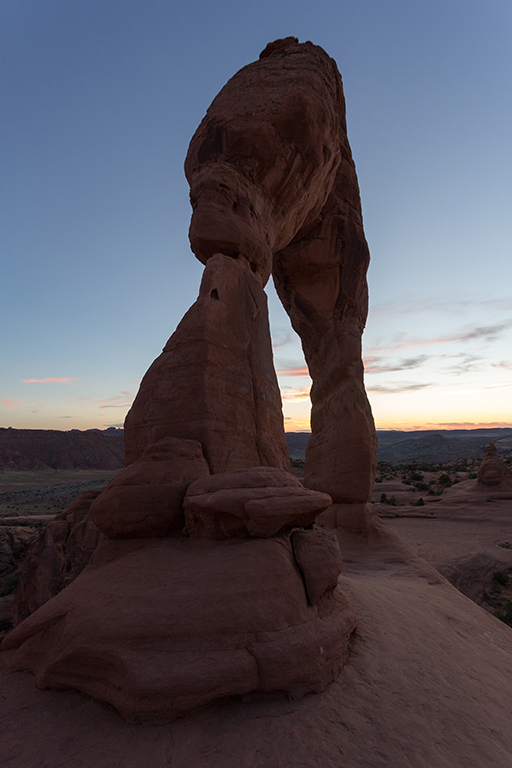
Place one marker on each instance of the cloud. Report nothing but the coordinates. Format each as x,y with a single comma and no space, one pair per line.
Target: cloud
498,386
293,371
281,338
408,306
484,332
287,393
373,364
396,388
51,380
9,403
471,424
467,364
111,402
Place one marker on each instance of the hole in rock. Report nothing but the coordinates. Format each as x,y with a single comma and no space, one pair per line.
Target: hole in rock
214,294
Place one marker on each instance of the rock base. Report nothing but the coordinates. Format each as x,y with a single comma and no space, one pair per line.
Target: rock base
160,627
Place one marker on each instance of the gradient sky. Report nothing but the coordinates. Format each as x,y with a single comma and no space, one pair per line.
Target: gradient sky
99,101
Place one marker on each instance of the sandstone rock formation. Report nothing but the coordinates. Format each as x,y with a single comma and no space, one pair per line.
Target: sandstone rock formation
215,380
494,477
159,627
261,502
272,179
146,498
244,600
493,471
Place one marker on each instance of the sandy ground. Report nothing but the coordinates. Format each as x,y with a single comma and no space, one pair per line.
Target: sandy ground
49,491
427,686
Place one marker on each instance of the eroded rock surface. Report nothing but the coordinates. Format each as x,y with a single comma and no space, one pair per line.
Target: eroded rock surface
493,472
146,498
272,177
161,627
250,502
215,380
57,556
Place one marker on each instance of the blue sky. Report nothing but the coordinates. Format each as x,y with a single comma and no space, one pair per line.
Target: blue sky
100,100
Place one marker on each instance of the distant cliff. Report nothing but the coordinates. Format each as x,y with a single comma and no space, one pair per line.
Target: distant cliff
427,445
52,449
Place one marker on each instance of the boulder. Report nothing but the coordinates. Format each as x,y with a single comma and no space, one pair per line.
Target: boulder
146,498
261,501
160,627
319,558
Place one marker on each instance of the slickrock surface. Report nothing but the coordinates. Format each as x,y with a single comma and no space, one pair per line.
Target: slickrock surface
427,685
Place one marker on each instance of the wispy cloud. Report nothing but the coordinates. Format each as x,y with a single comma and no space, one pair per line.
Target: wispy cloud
469,424
498,386
293,371
396,387
111,402
281,338
287,393
484,332
374,364
51,380
9,403
466,364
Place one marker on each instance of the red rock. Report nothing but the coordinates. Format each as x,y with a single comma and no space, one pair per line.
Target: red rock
262,502
493,472
146,498
160,627
318,556
272,177
215,380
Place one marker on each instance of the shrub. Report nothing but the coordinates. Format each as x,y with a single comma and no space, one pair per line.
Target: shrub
501,578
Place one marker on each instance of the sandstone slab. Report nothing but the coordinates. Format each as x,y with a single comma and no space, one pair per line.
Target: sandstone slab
261,502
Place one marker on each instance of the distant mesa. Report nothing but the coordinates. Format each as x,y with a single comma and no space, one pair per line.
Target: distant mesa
53,449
